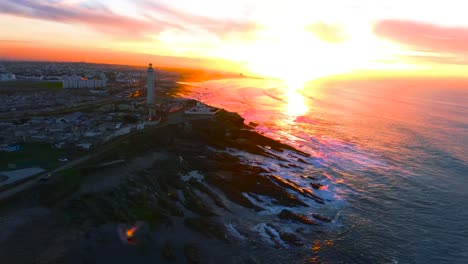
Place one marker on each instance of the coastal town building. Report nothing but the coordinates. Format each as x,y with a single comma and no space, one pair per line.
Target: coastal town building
7,77
79,82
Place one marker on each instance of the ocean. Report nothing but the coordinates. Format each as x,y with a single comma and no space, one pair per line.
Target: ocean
392,156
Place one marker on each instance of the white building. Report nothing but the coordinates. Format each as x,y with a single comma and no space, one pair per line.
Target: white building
150,86
78,82
7,77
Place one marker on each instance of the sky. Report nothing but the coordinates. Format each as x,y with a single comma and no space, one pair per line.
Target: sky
289,39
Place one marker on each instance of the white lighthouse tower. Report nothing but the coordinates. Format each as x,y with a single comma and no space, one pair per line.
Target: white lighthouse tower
150,86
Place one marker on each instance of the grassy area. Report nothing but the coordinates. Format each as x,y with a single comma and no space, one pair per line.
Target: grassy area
51,85
32,84
32,154
62,184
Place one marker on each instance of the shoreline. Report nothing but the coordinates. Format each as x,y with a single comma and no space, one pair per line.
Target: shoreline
168,194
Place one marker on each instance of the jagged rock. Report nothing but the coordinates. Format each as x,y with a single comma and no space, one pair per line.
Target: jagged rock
288,215
291,238
273,236
200,186
208,227
231,192
321,218
192,253
253,124
195,204
292,165
309,177
310,194
316,186
249,179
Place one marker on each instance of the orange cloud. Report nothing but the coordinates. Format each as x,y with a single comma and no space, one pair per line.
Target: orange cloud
423,36
37,52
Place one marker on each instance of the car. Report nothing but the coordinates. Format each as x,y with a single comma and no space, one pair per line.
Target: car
63,159
45,177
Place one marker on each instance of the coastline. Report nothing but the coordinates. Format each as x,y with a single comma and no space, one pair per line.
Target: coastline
198,185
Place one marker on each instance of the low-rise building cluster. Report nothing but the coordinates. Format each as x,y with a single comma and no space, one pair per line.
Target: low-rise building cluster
77,129
43,100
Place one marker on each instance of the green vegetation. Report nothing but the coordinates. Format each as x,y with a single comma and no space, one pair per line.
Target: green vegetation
31,154
33,84
51,85
62,184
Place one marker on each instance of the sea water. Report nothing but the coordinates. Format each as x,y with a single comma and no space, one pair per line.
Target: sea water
394,152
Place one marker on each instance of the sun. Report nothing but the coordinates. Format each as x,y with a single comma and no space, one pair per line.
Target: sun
296,56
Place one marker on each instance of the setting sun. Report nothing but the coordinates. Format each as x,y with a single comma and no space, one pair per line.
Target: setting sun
315,40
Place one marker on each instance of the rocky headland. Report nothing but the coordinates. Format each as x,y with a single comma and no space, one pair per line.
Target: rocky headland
195,191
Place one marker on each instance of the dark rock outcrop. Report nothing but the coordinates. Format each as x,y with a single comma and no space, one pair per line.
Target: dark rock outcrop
316,186
291,239
207,226
321,218
299,218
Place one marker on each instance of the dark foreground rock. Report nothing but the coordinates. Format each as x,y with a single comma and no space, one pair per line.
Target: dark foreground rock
168,251
192,254
299,218
207,226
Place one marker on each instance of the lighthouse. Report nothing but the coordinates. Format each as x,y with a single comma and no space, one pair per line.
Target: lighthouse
150,86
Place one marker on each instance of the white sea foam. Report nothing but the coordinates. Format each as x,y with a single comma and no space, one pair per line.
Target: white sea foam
196,175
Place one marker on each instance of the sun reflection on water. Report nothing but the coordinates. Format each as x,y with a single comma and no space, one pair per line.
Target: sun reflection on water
296,105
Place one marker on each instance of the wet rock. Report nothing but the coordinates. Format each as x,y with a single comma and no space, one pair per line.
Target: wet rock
292,165
253,124
288,215
309,177
230,119
195,204
256,198
200,186
168,252
207,226
316,186
224,182
192,254
283,183
271,155
310,194
291,239
272,236
250,179
321,218
292,182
